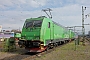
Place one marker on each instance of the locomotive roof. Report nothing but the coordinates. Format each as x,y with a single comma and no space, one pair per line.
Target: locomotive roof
40,18
60,25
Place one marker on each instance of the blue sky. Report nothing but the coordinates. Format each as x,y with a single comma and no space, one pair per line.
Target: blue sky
65,12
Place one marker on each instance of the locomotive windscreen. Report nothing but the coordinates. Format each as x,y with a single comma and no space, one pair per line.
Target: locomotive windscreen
33,23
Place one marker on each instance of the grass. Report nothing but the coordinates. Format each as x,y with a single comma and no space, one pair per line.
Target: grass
68,52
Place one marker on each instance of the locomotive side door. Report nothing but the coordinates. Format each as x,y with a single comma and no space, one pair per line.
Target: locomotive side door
51,30
49,26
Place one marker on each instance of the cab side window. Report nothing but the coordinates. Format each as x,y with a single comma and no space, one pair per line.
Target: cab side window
48,24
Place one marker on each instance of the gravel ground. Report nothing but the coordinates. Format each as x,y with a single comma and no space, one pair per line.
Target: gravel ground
9,54
4,54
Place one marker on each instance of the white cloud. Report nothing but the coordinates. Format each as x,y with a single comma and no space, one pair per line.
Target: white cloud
67,15
36,3
2,6
33,3
18,4
83,2
22,1
70,15
6,2
15,19
63,14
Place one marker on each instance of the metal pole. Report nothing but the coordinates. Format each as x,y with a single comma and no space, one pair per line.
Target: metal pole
75,39
83,42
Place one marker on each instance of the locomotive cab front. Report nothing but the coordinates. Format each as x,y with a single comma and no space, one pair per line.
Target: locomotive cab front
30,36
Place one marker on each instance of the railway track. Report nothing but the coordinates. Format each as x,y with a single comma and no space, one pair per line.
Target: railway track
28,55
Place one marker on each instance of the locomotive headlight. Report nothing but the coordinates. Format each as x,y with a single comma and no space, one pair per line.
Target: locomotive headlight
42,46
34,34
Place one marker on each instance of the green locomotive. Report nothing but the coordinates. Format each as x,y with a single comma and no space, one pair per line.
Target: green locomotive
39,34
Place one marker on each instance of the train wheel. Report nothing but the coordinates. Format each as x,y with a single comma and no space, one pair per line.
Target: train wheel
48,47
55,44
62,42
